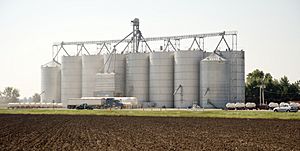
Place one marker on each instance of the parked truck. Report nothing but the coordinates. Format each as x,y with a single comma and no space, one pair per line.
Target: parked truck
101,102
84,106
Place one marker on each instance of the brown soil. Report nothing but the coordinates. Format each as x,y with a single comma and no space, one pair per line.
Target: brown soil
63,132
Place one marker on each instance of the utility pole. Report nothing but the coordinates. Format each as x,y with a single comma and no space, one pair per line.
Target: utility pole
262,94
259,95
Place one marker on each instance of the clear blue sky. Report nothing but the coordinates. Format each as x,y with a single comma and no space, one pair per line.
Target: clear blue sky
269,30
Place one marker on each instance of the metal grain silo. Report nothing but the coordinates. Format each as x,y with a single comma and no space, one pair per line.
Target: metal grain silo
214,81
137,76
237,74
115,63
161,79
105,85
50,83
70,78
240,76
229,56
186,77
91,65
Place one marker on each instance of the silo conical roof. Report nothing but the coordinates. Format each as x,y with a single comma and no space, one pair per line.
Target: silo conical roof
52,63
214,57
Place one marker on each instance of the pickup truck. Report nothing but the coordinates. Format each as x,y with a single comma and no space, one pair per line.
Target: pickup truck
84,106
286,108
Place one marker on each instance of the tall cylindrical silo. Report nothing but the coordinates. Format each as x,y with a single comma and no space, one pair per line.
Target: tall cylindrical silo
237,74
70,78
115,63
50,84
105,84
214,82
137,76
186,75
229,56
240,76
91,65
161,79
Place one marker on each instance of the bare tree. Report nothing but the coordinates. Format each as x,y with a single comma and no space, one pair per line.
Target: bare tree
36,98
10,94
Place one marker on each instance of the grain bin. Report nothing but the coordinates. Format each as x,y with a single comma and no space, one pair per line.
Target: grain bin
105,85
70,78
240,76
214,81
186,75
161,86
137,76
50,82
115,63
91,65
237,74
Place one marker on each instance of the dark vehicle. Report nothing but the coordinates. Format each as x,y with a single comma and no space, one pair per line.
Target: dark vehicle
84,106
263,107
112,103
294,109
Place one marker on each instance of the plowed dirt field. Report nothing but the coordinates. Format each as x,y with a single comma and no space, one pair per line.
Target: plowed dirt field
81,132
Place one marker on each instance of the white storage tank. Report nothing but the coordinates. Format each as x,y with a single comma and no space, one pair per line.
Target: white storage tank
161,80
137,76
214,81
91,65
115,63
240,106
186,74
50,82
250,105
70,78
230,106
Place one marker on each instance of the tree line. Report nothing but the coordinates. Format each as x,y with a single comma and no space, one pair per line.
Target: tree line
11,95
275,90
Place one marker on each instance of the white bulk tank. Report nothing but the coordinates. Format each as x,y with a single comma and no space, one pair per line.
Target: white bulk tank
161,80
186,75
214,82
115,63
137,76
50,82
70,78
91,65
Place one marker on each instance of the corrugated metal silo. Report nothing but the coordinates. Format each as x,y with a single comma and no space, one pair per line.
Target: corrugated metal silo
237,75
50,82
161,79
214,82
186,74
70,78
91,65
137,76
116,64
229,56
240,76
105,84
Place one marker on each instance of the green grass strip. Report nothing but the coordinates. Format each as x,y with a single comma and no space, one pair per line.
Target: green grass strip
162,113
